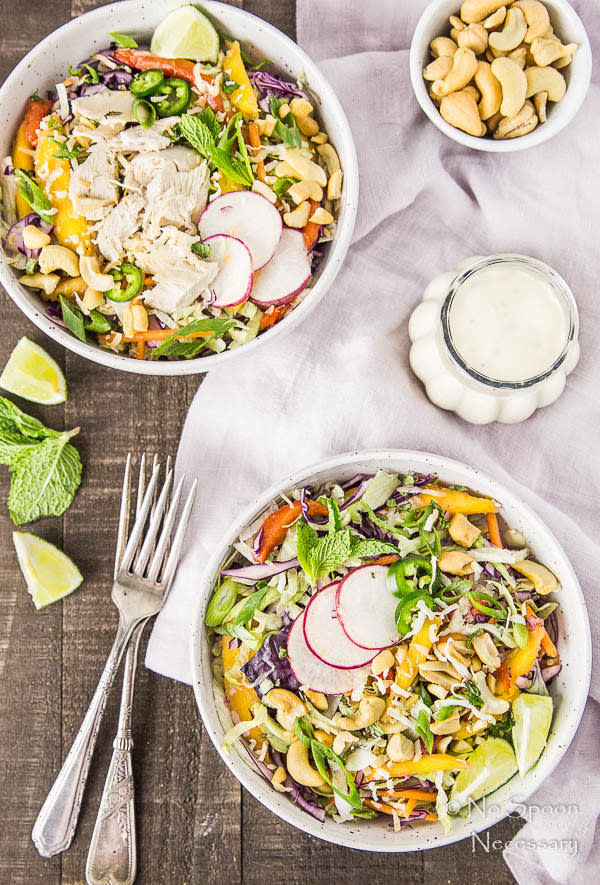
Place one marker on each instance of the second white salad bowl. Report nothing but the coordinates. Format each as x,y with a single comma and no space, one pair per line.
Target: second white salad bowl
47,64
569,689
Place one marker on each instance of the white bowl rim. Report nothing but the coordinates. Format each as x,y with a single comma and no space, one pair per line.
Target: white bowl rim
337,250
254,782
421,37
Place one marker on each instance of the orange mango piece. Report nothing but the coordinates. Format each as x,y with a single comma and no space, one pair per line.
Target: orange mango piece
457,502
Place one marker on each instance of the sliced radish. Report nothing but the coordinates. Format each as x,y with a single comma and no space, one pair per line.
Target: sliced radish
366,608
247,216
286,274
324,634
233,283
313,673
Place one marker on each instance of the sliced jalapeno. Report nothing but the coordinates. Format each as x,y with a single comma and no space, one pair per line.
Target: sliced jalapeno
404,575
144,112
98,323
177,95
147,83
130,280
405,608
221,603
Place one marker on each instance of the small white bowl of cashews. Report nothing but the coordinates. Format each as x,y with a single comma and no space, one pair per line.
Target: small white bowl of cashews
496,75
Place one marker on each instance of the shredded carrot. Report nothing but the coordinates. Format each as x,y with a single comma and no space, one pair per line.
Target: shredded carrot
254,137
493,529
276,525
388,559
547,644
419,795
140,350
160,334
272,316
311,231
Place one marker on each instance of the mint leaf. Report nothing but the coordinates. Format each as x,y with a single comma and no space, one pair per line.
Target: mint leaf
201,132
202,250
13,420
44,480
13,446
330,553
198,134
232,167
286,129
209,118
424,731
123,41
335,520
307,539
371,547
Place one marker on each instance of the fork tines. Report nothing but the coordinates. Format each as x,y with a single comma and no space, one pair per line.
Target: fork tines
152,551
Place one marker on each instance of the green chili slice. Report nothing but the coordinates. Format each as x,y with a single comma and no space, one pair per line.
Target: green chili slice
144,112
177,95
130,280
147,83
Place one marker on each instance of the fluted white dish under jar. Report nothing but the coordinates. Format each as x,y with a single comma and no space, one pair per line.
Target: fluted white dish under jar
495,338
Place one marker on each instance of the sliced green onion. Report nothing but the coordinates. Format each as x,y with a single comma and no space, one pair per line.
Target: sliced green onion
144,112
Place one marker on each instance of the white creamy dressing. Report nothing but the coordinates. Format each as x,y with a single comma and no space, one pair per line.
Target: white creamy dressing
508,322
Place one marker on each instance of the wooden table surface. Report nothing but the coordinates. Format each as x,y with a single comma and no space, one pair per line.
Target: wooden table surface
195,823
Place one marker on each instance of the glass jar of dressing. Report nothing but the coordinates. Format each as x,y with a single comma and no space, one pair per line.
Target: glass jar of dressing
495,339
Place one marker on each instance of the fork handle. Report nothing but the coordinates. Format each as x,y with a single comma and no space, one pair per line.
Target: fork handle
55,825
112,856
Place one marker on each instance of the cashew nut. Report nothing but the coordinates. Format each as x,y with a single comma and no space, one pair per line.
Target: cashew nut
448,726
321,216
460,110
545,80
456,23
564,62
542,578
288,705
305,168
456,562
382,662
491,704
301,111
284,170
319,138
473,37
305,190
400,748
68,286
266,126
300,768
476,10
325,738
34,238
519,56
59,258
464,65
487,651
299,217
462,531
317,699
46,282
546,51
491,98
437,690
92,299
334,186
541,102
514,85
494,122
519,124
440,673
279,776
329,156
135,319
441,46
90,271
437,69
369,711
495,19
513,32
536,16
342,741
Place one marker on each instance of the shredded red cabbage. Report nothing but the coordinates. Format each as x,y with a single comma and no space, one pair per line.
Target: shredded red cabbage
271,661
267,84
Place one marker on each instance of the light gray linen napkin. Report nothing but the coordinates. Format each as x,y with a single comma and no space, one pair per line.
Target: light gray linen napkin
342,382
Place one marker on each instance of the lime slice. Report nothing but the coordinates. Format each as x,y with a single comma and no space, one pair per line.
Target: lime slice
32,374
49,572
533,715
491,765
186,33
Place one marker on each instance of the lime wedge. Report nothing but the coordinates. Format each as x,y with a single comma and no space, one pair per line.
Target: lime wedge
49,572
186,33
32,374
533,715
491,765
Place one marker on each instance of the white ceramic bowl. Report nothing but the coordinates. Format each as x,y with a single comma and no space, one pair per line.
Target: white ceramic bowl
567,25
569,689
47,64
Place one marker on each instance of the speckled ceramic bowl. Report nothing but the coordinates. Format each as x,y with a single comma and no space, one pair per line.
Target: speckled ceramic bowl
569,689
47,64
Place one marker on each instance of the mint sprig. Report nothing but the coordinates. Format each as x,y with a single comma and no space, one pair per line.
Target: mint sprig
45,467
202,132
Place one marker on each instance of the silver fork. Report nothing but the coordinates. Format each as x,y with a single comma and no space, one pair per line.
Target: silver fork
112,853
138,591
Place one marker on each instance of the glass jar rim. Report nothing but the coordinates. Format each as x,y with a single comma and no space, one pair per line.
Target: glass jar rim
559,285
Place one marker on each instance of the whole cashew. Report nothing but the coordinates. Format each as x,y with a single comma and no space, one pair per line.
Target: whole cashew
495,19
514,85
536,16
46,282
460,110
521,123
540,101
491,99
59,258
90,271
513,32
456,562
34,238
464,65
546,51
400,748
546,80
437,69
473,37
442,46
305,168
369,711
288,706
299,217
519,56
541,577
304,190
477,10
300,768
460,529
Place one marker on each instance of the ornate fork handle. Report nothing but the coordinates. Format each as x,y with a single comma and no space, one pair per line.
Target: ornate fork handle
112,855
55,825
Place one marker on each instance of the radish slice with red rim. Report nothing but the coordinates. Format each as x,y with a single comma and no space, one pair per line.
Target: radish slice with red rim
366,608
233,283
324,634
313,673
247,216
286,274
